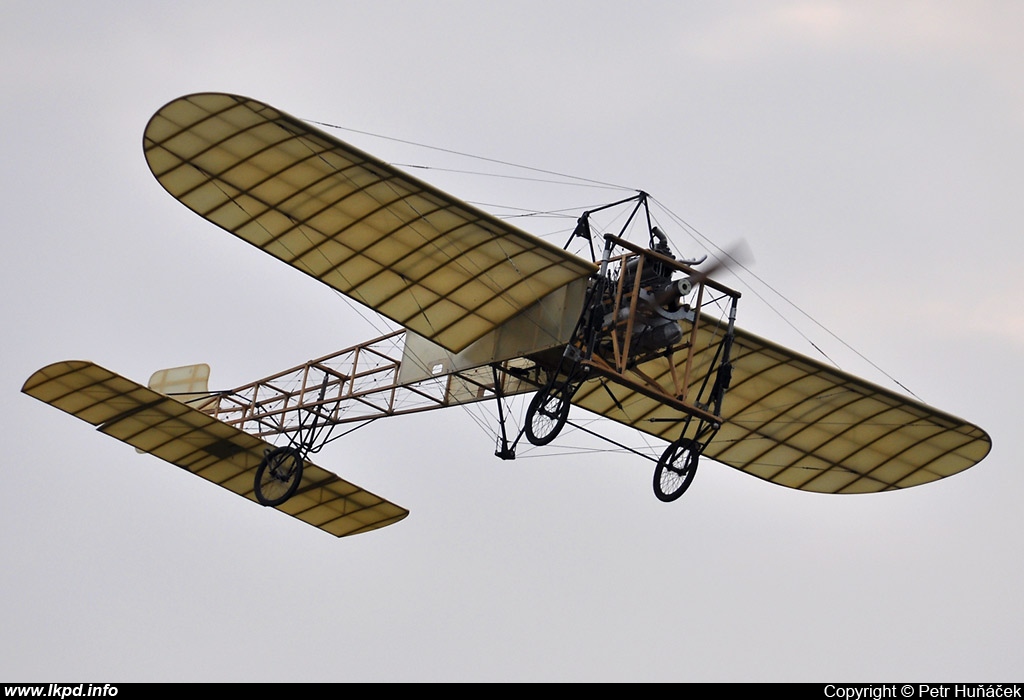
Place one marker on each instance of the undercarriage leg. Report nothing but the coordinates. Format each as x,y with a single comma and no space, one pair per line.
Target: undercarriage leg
504,450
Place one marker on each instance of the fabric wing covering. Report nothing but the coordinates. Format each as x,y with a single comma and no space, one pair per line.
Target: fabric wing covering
199,443
416,255
796,422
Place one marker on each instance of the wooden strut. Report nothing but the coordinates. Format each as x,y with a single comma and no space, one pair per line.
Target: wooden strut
619,368
355,385
363,383
651,389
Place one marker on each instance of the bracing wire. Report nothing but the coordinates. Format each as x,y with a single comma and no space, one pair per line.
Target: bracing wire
565,179
737,263
595,183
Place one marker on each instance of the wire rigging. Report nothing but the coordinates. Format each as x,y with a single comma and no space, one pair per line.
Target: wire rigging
469,155
564,179
735,261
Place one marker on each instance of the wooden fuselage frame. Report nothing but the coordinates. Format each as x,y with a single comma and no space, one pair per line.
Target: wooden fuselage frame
373,379
626,364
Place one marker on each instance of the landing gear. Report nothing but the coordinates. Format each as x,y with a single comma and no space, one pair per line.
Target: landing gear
676,468
547,413
278,476
643,336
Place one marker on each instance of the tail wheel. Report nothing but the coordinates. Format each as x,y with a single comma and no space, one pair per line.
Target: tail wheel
547,414
278,476
676,469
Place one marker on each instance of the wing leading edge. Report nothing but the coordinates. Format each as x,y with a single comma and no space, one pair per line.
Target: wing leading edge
799,423
424,259
196,442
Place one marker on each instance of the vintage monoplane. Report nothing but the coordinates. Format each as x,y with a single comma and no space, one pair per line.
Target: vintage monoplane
488,311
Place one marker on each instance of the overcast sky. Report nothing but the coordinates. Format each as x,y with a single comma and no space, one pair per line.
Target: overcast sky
868,153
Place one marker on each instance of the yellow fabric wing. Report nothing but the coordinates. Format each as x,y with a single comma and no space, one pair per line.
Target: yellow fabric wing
418,256
199,443
799,423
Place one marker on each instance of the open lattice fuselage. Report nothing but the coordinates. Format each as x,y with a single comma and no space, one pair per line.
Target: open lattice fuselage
403,373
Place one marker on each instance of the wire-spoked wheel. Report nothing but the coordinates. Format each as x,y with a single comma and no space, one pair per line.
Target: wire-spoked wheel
675,469
278,475
547,413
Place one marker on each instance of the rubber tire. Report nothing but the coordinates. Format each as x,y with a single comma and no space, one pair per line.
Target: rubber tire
540,408
273,460
676,469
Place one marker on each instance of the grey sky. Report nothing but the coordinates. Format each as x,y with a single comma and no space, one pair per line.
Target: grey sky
868,153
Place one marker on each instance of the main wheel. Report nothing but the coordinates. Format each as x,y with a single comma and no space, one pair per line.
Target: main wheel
675,469
547,414
278,476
